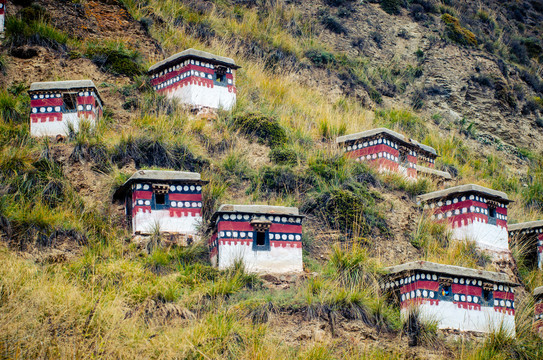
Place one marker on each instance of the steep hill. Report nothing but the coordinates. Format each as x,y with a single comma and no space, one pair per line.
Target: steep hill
464,77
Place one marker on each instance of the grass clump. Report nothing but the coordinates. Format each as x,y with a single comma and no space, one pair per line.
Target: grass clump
456,32
116,58
350,208
155,151
391,6
265,128
284,156
320,58
14,108
21,32
401,120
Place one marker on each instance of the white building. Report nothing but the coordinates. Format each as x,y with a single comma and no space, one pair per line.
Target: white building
57,105
267,239
196,78
165,201
530,235
455,297
474,213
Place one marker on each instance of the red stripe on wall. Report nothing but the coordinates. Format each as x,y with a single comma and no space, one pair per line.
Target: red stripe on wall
375,149
43,117
498,295
46,102
466,289
141,194
246,226
185,197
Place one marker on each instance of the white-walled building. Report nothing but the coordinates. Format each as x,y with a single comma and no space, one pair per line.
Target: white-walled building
474,213
2,14
196,78
56,105
455,297
390,151
165,201
538,311
267,239
529,234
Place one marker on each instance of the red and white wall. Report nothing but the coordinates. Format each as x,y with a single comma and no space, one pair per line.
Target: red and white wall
233,241
194,83
463,306
385,155
181,213
2,14
48,115
468,216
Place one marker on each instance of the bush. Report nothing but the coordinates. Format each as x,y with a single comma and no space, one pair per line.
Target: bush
320,58
148,151
115,58
391,6
483,80
402,120
284,156
282,180
331,23
350,208
456,32
265,128
14,108
21,32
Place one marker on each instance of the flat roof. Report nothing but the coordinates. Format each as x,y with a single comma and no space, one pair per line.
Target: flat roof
167,176
450,270
192,54
400,137
63,86
256,209
525,225
494,194
430,171
538,291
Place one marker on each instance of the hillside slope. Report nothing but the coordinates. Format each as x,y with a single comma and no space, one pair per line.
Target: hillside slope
73,285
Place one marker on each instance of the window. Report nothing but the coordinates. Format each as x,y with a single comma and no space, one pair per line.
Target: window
403,157
160,199
260,238
220,73
487,294
491,214
261,227
70,101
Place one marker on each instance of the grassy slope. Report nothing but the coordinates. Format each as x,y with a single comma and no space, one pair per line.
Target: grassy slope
115,301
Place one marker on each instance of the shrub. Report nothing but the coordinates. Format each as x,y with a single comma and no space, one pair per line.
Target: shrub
265,128
35,12
332,23
350,208
13,108
402,120
320,58
518,52
391,6
115,58
456,32
483,80
148,151
22,32
284,156
282,180
504,94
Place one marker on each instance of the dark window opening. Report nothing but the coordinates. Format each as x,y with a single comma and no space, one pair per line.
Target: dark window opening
487,295
221,77
160,199
260,238
70,101
492,211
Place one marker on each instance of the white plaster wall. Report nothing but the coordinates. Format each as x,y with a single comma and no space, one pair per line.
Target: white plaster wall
486,236
449,316
197,95
54,128
147,222
2,17
277,260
